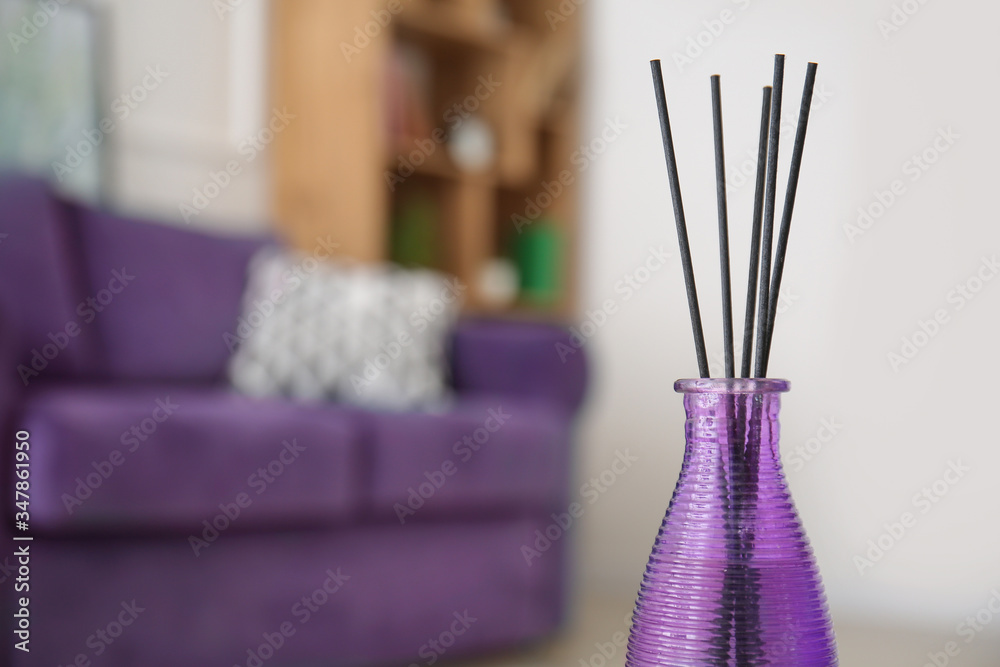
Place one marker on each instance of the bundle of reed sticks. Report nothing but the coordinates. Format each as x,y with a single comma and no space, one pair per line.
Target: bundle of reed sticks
767,261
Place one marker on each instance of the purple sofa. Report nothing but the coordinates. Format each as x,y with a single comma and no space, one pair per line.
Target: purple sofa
176,522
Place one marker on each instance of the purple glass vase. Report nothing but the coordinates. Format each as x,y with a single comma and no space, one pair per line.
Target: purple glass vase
731,580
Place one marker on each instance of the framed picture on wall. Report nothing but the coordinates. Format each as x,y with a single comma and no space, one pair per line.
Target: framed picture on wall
50,95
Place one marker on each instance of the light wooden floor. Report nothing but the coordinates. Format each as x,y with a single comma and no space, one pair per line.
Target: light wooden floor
599,619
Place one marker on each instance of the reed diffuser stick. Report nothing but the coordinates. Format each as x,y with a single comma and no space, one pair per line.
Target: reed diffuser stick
720,187
786,213
682,235
768,230
758,210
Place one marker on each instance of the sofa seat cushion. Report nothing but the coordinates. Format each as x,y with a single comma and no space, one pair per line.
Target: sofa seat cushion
127,458
483,455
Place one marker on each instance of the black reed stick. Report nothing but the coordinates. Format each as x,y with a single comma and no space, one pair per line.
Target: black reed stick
758,210
682,236
720,186
768,231
786,213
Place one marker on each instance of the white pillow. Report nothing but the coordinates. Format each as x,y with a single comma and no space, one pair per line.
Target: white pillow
373,335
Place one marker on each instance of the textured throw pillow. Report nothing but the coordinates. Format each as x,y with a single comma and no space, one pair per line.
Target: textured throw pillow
373,335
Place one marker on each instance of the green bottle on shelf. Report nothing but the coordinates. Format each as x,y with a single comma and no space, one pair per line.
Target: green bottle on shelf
414,232
538,253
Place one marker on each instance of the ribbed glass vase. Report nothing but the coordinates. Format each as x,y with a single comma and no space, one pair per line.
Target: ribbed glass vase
732,580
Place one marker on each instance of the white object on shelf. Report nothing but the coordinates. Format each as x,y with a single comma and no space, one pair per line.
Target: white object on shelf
498,282
472,145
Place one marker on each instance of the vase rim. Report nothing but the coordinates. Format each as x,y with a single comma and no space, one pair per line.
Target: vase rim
731,386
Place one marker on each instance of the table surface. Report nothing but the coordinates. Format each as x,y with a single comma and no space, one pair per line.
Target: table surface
599,621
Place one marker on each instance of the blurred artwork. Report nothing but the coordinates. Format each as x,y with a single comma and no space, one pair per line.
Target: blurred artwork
49,106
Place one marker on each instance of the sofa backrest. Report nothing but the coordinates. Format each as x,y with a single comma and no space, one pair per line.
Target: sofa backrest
152,302
172,296
40,287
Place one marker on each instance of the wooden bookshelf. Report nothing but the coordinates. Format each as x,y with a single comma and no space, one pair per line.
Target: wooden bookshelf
374,83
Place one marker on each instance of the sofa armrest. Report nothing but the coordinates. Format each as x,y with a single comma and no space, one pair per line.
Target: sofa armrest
11,385
523,360
11,389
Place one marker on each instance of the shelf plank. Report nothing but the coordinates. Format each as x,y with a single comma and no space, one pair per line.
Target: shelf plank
437,165
450,24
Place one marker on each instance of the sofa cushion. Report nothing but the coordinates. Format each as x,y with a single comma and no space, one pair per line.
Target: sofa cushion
169,296
163,457
368,334
483,455
39,286
533,361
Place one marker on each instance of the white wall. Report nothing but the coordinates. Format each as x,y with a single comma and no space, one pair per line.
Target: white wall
193,122
853,301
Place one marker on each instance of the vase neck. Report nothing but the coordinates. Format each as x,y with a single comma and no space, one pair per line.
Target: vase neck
745,420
